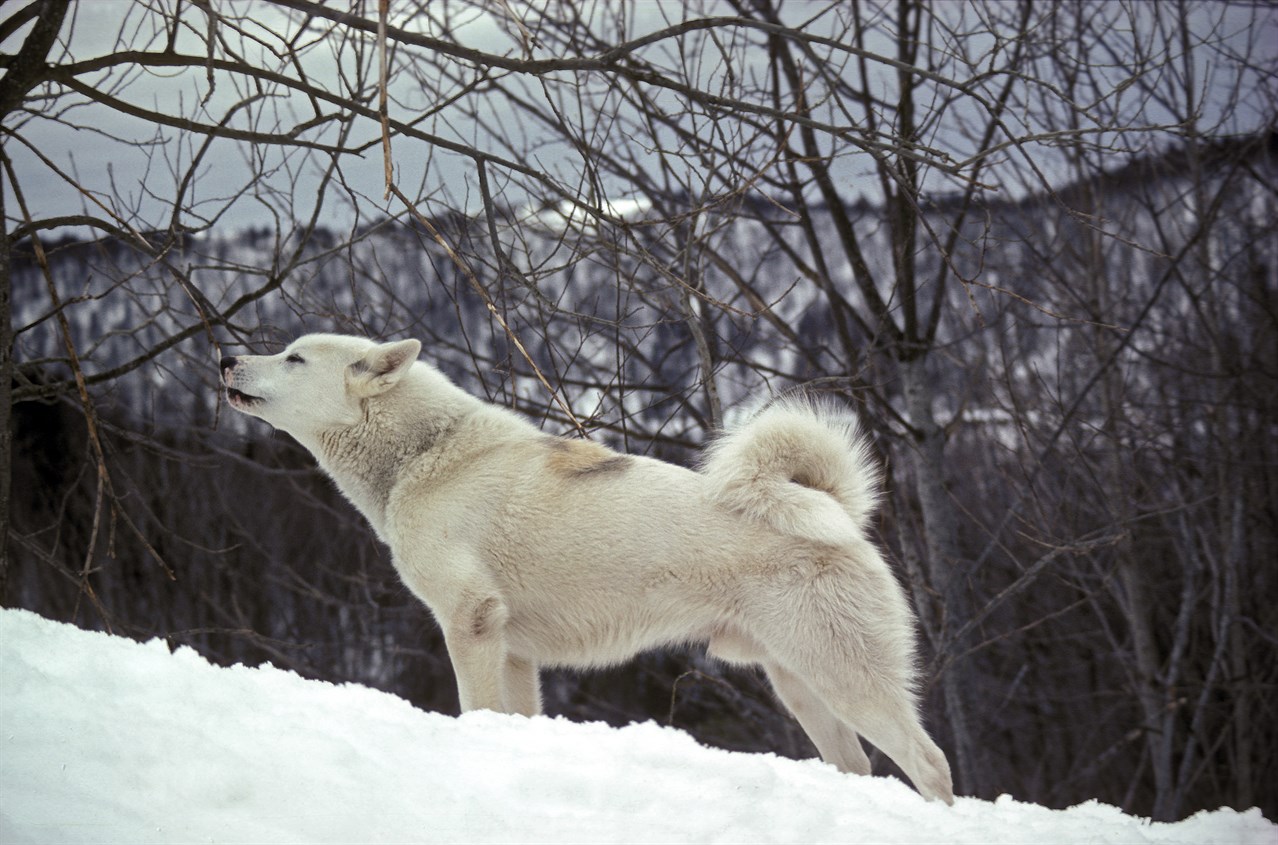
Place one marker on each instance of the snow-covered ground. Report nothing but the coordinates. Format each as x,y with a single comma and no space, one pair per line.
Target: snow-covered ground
107,740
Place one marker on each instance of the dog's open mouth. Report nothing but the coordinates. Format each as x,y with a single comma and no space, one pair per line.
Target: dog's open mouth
240,399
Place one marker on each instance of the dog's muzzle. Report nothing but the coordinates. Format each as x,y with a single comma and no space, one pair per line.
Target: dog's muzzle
238,398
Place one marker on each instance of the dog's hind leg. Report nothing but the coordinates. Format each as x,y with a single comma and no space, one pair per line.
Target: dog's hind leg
888,719
898,734
862,672
732,646
838,743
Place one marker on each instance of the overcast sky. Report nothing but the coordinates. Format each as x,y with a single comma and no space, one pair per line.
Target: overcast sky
121,160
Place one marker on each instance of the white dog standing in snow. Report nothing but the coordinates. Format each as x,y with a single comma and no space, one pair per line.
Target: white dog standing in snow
533,550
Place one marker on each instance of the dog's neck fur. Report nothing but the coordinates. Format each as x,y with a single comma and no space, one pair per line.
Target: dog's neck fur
407,421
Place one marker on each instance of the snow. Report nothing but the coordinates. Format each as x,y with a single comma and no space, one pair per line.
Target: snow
572,215
103,739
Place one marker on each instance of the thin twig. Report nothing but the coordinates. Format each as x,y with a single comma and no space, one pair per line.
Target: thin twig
393,190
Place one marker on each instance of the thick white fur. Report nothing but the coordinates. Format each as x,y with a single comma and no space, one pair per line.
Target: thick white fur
534,550
799,466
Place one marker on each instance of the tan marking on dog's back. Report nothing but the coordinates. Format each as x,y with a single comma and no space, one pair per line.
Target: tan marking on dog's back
578,458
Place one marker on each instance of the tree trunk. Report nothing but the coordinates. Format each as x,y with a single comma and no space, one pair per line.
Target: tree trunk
25,70
6,405
944,565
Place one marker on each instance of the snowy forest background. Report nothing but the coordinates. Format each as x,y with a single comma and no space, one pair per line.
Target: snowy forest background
1034,245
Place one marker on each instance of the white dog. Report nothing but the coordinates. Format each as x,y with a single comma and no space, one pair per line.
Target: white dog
533,550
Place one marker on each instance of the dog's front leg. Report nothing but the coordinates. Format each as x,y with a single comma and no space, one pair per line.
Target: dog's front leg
523,687
475,633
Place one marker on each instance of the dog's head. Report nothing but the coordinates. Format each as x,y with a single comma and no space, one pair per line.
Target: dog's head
318,383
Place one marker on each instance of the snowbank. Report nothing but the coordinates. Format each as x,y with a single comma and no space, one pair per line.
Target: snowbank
107,740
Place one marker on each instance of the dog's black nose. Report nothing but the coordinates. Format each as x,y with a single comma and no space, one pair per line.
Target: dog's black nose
228,362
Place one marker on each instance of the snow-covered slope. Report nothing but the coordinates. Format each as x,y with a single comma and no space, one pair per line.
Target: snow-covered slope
106,740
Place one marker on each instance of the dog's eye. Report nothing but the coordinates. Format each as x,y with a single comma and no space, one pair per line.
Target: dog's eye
295,359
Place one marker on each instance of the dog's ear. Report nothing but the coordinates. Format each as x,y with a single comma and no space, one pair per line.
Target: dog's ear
382,367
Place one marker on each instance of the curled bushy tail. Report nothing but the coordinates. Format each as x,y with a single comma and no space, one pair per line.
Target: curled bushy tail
801,466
